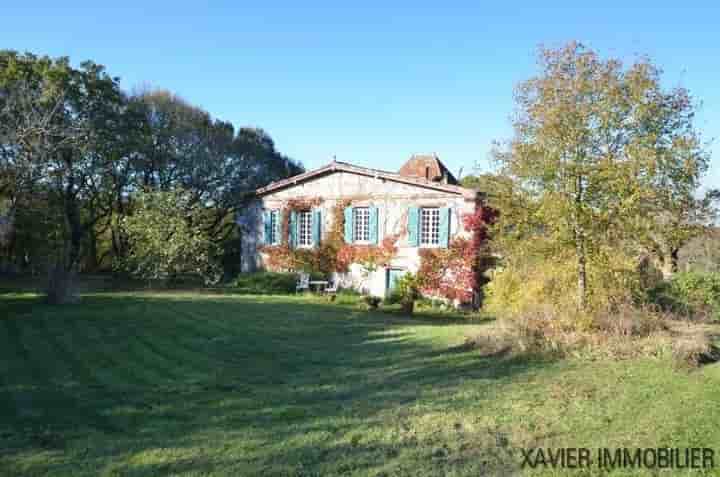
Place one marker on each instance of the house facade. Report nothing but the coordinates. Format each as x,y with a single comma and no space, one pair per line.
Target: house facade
419,207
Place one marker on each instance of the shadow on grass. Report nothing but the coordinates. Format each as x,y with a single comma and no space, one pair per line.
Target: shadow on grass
145,371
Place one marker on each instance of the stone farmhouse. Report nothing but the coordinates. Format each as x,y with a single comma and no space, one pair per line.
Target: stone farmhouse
420,206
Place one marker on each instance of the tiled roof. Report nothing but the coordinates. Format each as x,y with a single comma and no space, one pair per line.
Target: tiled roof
428,167
337,166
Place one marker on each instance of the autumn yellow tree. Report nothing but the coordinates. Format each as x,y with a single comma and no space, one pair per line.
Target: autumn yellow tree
601,151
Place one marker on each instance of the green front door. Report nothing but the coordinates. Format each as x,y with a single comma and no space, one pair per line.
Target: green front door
393,275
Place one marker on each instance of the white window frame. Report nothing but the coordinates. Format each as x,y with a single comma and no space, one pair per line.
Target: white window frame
361,225
274,227
430,227
304,229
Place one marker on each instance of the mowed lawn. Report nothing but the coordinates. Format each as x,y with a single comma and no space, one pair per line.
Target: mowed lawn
144,384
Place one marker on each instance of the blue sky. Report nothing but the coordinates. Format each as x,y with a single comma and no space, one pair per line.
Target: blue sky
370,83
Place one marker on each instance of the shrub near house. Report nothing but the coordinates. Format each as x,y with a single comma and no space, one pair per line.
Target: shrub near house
692,294
366,227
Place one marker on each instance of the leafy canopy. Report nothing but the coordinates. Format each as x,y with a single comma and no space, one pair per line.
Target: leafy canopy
166,239
600,154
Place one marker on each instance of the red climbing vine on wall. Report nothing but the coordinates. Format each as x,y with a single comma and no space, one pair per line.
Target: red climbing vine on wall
455,272
369,256
333,254
282,257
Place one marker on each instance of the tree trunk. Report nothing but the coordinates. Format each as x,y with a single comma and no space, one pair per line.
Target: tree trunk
61,285
114,233
72,215
582,272
61,280
91,262
580,248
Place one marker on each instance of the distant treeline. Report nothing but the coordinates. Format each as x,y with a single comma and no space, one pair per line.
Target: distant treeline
75,150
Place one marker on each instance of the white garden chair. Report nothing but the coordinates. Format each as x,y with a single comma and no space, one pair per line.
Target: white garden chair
333,288
303,283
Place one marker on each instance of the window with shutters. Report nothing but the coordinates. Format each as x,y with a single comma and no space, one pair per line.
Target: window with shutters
304,234
430,227
361,226
273,232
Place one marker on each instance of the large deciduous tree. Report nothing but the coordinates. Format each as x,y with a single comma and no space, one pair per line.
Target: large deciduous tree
55,123
75,151
604,156
182,146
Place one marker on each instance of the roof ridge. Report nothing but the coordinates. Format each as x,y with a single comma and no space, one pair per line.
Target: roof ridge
366,168
352,168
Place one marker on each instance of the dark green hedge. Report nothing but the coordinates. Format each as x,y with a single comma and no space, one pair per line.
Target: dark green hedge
265,283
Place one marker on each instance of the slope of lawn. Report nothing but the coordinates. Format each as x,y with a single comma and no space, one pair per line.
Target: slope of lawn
142,384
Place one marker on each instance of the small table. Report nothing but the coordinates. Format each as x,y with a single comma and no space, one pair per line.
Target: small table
318,284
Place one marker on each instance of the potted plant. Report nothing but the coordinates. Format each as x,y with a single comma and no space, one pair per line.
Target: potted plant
372,302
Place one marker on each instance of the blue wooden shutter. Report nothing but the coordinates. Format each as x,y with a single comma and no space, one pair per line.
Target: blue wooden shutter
266,227
316,227
292,233
445,226
414,226
373,225
348,225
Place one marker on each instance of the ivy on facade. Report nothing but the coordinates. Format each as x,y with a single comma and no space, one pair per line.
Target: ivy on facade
333,254
454,272
283,257
459,270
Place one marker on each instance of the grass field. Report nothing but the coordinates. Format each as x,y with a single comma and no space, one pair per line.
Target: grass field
144,384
